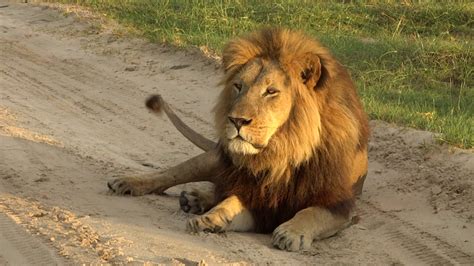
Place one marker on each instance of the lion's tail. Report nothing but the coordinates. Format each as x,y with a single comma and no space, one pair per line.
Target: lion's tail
156,103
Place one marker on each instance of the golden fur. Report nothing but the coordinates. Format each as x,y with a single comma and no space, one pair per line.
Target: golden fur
292,149
308,159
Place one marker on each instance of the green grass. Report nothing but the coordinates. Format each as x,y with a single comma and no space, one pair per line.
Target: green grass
413,63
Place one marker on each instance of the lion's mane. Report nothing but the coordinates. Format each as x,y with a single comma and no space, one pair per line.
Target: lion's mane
308,162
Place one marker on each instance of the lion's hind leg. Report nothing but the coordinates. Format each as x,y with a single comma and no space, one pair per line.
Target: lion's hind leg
313,223
199,168
359,185
229,214
359,171
196,202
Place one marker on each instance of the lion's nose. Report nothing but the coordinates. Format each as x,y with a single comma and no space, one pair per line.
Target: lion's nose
239,122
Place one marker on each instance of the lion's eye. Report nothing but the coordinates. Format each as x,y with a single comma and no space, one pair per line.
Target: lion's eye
271,91
238,87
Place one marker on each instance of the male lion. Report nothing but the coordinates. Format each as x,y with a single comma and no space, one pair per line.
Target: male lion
292,149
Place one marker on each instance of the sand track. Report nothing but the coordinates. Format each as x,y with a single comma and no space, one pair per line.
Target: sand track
72,117
19,247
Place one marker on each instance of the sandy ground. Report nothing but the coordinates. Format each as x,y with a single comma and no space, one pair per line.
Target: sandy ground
72,117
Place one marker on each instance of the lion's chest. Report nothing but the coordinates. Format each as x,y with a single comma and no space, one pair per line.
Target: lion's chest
270,203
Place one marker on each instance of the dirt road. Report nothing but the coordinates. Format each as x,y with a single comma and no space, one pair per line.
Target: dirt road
72,117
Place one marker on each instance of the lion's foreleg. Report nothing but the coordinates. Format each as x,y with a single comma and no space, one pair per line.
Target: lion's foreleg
309,224
200,168
230,214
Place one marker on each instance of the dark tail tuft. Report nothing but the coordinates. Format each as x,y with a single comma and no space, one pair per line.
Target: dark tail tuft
155,103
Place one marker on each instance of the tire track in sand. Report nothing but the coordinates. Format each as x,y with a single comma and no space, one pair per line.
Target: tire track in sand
417,245
19,247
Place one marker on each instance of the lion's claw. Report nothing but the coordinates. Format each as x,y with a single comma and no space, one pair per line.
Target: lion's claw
288,238
203,223
126,186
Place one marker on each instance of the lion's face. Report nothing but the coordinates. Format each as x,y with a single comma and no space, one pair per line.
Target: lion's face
260,103
268,116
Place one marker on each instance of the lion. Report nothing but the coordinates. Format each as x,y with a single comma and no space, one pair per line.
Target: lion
292,150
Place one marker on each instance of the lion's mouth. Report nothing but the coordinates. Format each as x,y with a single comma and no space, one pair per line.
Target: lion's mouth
256,146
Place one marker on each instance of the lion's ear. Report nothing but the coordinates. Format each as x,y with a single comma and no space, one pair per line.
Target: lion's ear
312,71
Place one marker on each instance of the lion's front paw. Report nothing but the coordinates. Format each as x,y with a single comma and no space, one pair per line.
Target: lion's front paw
289,237
129,186
195,202
204,223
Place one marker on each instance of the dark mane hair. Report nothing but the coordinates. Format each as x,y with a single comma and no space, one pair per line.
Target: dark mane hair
309,160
